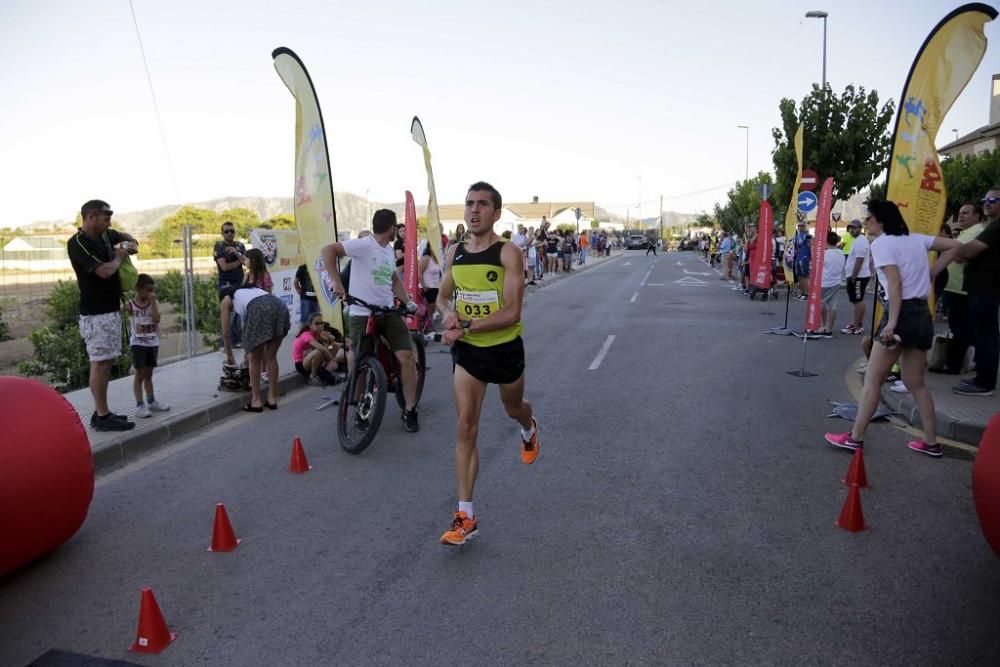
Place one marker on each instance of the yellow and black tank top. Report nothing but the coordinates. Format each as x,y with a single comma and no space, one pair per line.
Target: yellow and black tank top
478,280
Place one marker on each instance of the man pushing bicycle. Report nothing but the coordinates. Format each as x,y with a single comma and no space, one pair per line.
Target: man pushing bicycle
374,280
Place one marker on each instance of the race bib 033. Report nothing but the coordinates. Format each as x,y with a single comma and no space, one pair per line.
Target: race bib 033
474,305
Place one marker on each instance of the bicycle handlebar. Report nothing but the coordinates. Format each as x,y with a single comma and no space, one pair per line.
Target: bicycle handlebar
398,310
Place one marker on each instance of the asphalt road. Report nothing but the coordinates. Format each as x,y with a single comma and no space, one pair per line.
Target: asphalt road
680,512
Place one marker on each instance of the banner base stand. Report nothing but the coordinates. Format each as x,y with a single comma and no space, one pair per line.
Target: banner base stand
780,331
802,373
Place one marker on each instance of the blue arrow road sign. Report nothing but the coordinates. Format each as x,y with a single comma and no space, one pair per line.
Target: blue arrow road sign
807,201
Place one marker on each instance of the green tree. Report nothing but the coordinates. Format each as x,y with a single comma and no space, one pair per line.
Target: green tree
4,329
742,204
60,353
969,177
846,137
280,221
169,232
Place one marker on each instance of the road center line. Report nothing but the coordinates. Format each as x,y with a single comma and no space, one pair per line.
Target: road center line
600,355
632,300
645,277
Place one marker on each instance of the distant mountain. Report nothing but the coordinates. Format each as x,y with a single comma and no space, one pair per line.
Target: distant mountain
353,213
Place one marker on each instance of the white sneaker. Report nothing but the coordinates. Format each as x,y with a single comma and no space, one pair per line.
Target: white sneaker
143,411
899,387
862,367
156,406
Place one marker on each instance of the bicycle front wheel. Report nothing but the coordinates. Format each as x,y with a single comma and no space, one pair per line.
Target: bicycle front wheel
362,405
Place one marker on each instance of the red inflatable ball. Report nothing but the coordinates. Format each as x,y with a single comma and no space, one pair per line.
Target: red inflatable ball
46,471
986,483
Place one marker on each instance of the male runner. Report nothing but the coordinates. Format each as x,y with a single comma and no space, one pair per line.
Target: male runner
486,277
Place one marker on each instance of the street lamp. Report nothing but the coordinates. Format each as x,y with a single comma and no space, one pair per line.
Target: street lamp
955,130
746,176
817,14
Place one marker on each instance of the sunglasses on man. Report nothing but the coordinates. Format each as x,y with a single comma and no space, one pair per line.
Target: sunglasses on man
990,200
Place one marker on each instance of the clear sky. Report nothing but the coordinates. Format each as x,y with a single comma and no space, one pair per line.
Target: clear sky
583,100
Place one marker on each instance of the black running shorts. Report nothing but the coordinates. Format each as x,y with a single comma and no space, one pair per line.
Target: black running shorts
856,289
915,327
496,364
144,356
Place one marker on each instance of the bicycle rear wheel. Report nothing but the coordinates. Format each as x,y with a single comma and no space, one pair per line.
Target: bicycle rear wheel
362,405
420,358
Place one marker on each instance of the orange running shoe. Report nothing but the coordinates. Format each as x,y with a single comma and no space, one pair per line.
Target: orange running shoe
529,449
462,530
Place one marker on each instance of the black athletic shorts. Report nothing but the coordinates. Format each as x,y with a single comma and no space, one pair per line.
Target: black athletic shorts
497,364
856,289
915,327
144,356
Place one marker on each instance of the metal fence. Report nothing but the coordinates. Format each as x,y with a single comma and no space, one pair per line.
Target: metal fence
29,275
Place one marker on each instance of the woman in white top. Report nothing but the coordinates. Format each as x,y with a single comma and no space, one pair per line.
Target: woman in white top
266,322
906,331
430,280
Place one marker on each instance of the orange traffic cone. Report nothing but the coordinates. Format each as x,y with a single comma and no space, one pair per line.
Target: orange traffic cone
223,538
856,472
153,634
851,517
299,463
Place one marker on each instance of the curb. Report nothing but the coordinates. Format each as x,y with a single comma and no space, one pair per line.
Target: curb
947,426
131,444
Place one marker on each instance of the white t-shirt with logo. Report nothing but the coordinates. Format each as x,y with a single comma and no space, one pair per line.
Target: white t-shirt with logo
909,255
833,267
860,249
372,268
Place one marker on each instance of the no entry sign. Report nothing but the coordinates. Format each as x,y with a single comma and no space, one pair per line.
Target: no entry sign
809,180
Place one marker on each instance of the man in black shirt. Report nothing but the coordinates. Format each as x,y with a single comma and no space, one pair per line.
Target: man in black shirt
96,251
229,255
981,281
308,302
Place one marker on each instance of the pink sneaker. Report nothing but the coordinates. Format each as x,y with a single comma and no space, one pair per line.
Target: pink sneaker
844,441
922,447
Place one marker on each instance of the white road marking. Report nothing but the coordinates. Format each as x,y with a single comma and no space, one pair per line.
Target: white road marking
696,273
645,277
626,263
632,300
600,355
687,280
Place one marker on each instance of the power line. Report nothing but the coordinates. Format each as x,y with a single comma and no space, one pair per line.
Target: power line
152,94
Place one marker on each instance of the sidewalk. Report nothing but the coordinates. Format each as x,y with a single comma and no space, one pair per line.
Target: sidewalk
961,418
190,387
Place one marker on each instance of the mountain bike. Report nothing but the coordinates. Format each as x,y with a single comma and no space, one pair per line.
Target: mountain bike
374,375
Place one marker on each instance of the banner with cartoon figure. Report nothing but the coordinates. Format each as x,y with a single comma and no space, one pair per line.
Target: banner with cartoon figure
944,64
315,214
282,256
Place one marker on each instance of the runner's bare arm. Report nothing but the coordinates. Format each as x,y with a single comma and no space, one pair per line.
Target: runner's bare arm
513,292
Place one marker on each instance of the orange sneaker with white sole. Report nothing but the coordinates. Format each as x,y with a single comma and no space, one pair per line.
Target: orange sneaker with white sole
529,449
462,530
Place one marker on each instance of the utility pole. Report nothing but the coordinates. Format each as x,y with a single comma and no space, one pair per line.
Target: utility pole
661,216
